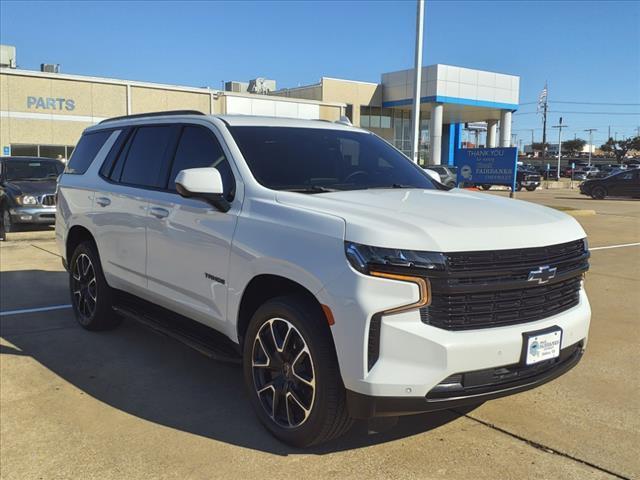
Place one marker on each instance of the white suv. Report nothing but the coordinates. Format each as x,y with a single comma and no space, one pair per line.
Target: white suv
346,281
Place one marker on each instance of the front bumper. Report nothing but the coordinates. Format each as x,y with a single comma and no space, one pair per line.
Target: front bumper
447,396
414,358
39,215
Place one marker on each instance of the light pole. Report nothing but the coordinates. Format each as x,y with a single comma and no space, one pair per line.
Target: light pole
590,130
417,79
559,127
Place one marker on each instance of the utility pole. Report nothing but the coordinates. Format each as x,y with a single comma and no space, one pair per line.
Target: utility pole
609,134
590,130
544,122
559,127
417,79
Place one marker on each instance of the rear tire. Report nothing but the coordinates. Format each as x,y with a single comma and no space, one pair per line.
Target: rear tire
91,297
598,193
518,186
291,373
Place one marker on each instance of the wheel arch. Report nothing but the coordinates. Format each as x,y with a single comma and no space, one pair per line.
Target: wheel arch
76,235
265,287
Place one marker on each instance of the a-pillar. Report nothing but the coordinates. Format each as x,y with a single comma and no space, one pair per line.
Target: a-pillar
435,133
505,128
492,133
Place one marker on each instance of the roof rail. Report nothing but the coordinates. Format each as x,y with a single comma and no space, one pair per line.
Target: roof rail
153,114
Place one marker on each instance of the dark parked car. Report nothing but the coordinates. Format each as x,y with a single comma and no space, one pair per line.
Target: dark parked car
28,187
622,184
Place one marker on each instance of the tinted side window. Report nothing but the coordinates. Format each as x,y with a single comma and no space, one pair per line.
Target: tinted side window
146,159
198,148
86,151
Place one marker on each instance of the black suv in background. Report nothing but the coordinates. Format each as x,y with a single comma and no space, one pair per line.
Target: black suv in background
526,177
28,190
622,184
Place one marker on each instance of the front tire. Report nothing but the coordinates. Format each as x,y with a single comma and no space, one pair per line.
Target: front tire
598,193
91,297
6,219
291,373
531,188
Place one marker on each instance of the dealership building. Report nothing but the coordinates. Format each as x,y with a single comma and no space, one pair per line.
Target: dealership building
43,113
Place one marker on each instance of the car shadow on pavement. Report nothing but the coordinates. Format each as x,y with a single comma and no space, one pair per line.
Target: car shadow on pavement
160,380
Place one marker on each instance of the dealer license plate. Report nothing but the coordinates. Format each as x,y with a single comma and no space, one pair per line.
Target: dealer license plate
543,345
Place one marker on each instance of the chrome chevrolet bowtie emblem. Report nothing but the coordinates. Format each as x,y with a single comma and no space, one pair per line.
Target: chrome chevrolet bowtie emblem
542,274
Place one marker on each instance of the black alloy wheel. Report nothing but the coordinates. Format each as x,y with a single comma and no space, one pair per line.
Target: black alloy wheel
283,373
84,288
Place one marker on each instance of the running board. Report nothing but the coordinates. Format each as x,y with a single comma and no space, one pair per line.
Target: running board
188,332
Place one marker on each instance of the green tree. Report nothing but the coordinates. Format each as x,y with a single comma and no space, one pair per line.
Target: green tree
573,146
620,148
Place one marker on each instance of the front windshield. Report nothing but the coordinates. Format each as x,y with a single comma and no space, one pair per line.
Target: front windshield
317,160
32,170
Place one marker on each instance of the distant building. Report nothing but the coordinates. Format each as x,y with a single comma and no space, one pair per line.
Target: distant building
44,112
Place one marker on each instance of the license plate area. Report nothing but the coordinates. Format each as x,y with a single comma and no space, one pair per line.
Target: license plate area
541,345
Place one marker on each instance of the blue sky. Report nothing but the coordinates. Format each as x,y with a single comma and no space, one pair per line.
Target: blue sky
587,51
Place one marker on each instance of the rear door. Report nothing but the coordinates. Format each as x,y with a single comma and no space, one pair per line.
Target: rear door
624,184
188,240
121,204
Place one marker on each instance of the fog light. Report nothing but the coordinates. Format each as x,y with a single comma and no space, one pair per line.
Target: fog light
26,218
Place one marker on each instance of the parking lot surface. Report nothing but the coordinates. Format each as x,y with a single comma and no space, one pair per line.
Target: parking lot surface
132,404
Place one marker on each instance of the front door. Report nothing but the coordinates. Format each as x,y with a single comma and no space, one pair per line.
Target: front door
188,240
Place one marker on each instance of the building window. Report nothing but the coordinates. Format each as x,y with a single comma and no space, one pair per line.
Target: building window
47,151
349,112
364,117
24,150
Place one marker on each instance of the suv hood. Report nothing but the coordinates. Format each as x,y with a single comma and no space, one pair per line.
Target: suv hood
439,220
29,187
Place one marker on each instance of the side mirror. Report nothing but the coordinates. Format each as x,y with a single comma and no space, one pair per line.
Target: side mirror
205,183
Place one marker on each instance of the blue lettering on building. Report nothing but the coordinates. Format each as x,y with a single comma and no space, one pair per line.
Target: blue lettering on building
51,103
495,166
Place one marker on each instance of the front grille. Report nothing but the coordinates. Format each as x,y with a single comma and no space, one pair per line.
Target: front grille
517,259
501,307
48,200
491,288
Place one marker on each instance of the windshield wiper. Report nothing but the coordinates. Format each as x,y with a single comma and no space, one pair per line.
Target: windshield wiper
393,185
310,189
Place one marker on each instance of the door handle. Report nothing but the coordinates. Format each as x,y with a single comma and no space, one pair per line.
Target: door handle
103,201
159,212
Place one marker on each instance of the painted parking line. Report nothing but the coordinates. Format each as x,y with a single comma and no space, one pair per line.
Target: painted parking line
6,313
616,246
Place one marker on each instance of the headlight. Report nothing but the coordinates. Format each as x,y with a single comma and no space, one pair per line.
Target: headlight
366,259
27,200
397,264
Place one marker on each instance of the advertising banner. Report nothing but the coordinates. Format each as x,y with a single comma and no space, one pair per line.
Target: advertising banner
491,166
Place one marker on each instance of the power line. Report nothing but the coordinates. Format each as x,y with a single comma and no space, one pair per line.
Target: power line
582,113
587,103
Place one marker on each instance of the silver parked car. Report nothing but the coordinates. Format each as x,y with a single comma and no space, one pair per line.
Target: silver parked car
447,176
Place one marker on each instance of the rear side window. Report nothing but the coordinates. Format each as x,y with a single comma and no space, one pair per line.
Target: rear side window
198,148
147,156
86,151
